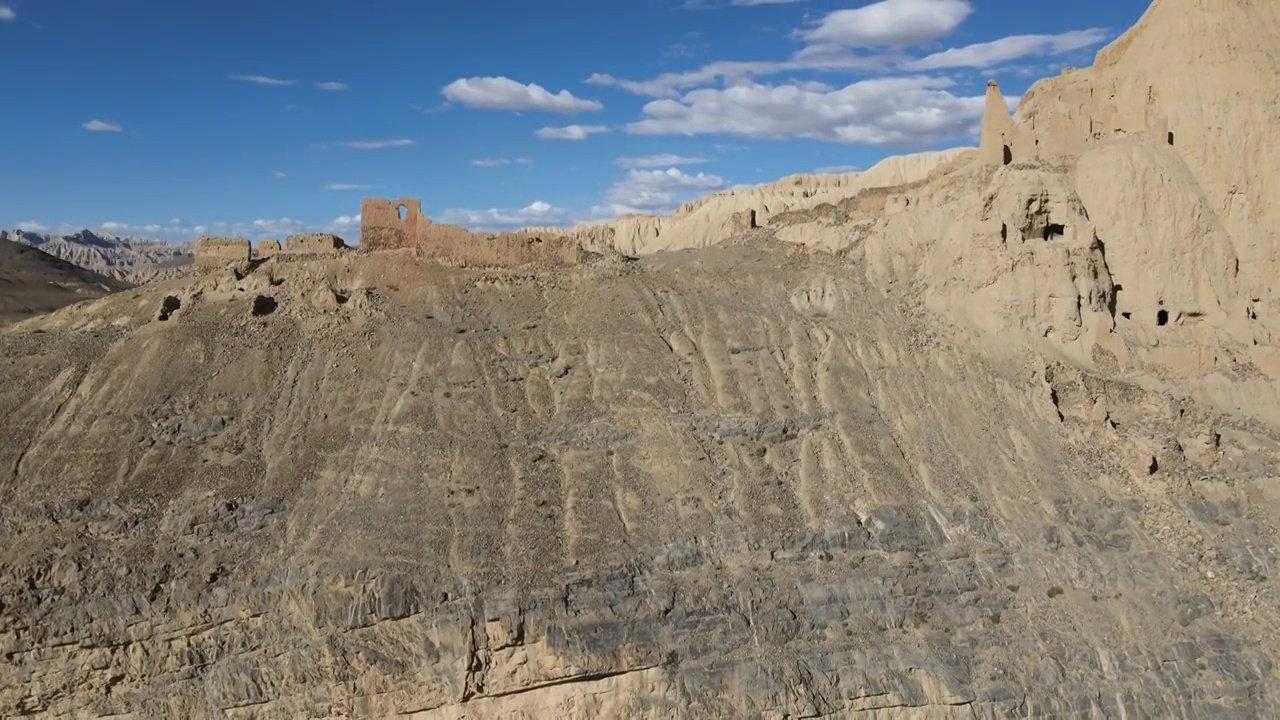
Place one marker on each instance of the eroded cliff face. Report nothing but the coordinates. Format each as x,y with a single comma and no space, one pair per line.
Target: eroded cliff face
741,482
985,439
1199,78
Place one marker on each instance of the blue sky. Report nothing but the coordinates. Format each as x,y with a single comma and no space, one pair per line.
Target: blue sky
272,116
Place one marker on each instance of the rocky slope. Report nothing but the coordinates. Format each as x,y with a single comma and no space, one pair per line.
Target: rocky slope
33,282
133,260
734,482
998,440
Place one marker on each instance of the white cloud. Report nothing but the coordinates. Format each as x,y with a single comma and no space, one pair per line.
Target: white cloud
656,191
653,161
7,13
500,161
276,226
900,111
988,54
537,213
733,71
570,132
754,3
331,86
177,229
102,126
377,144
280,174
346,186
261,80
890,23
501,93
32,226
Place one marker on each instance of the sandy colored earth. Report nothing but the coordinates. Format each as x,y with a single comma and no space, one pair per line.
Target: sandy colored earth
994,435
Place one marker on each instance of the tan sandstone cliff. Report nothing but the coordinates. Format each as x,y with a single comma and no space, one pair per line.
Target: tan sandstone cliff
718,217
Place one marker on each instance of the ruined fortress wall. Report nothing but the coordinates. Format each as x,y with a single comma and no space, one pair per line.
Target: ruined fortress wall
313,243
457,245
222,251
743,220
267,248
399,224
382,226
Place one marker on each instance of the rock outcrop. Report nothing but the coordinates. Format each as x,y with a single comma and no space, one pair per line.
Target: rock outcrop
1199,77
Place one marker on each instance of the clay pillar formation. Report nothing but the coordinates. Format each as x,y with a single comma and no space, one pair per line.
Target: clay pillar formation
996,142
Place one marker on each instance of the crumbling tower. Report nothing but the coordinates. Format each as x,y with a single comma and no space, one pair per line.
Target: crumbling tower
996,143
391,224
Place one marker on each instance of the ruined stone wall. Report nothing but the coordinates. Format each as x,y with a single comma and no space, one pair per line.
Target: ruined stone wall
267,248
743,220
383,228
313,243
215,252
457,245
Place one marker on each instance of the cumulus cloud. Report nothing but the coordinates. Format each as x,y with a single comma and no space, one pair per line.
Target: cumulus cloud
896,111
331,85
280,174
988,54
346,186
654,161
261,80
32,226
820,58
570,132
656,191
377,144
890,23
537,213
7,13
276,226
502,93
347,221
102,126
871,39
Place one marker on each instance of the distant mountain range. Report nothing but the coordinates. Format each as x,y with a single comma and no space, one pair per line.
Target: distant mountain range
34,283
131,259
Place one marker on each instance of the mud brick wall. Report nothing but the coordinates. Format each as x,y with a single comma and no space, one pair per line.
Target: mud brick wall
313,243
220,251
